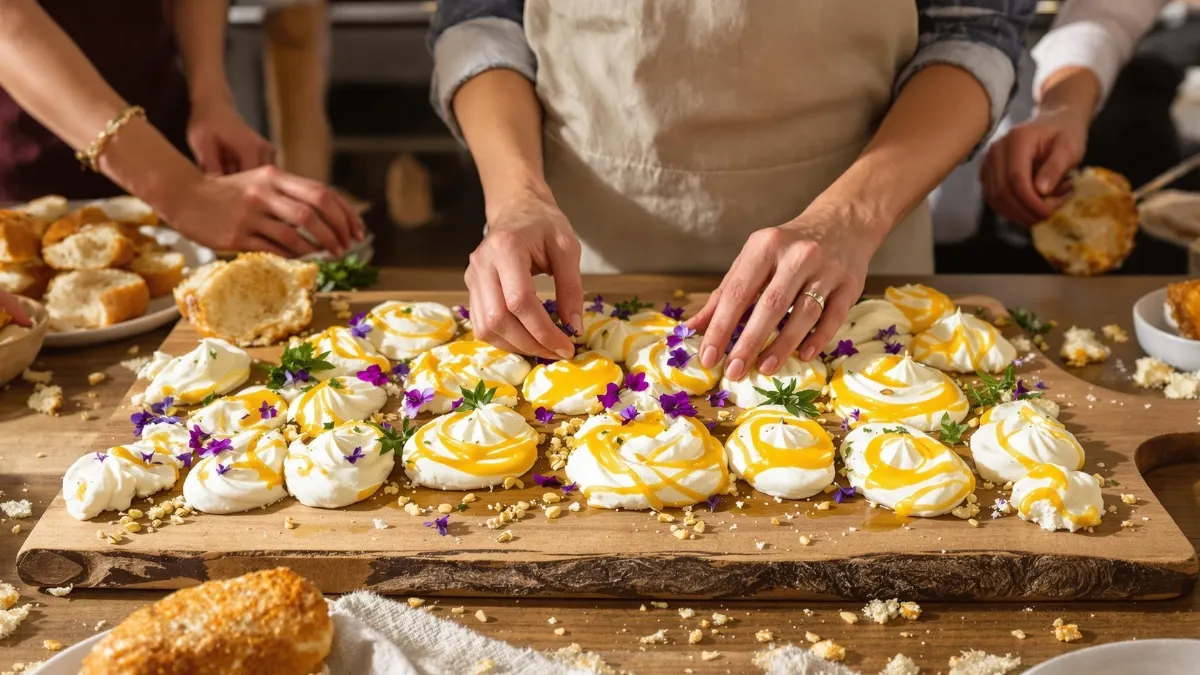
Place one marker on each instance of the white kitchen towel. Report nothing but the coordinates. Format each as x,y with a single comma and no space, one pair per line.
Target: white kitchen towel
373,634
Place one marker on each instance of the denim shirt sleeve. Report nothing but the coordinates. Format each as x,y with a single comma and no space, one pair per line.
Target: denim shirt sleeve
468,37
982,37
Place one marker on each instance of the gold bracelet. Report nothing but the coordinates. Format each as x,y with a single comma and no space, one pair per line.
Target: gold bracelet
90,157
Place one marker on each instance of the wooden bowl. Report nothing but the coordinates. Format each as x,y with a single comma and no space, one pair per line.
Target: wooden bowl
18,354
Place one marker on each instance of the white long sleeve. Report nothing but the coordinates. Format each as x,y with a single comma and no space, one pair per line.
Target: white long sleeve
1096,34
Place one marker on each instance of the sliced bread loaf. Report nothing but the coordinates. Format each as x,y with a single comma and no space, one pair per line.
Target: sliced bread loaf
29,279
93,247
256,299
18,237
162,270
95,298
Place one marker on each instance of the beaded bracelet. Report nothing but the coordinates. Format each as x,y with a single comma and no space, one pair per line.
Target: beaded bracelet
90,157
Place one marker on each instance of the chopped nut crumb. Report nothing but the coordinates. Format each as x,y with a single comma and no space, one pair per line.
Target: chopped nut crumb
416,602
553,512
481,616
289,523
812,637
829,650
560,631
720,619
96,378
695,637
658,637
52,645
1129,499
457,610
1019,634
505,536
849,617
1066,632
805,540
709,656
764,635
910,610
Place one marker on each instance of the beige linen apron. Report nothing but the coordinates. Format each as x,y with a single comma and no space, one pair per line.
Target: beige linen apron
676,128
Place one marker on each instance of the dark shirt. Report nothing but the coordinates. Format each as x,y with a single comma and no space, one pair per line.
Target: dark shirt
132,44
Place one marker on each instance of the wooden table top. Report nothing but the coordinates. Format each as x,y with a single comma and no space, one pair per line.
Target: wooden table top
35,450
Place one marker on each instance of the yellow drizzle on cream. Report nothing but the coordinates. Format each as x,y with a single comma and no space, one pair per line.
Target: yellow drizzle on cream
921,304
872,385
573,384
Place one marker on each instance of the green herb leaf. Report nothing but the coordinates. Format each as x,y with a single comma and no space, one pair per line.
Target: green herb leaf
461,507
335,383
392,439
348,274
951,432
895,430
630,307
474,399
799,403
1028,321
992,390
212,396
328,426
293,360
212,353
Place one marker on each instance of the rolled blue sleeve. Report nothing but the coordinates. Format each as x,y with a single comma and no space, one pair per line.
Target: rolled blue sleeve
469,37
982,37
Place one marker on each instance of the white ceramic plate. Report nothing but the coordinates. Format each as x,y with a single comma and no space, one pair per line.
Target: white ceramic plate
1160,657
1158,338
161,310
70,660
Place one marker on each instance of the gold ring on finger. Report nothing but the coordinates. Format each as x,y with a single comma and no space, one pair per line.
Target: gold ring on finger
817,297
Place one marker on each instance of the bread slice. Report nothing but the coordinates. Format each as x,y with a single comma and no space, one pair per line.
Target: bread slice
272,622
18,237
29,279
129,210
73,222
162,270
95,298
1093,231
45,210
256,299
91,248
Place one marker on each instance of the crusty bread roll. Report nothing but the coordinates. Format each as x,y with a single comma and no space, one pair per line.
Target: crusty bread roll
95,298
73,222
1183,301
18,237
162,270
29,279
272,622
127,209
256,299
45,210
91,248
1093,231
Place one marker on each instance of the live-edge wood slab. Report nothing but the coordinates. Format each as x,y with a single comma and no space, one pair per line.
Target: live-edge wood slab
855,551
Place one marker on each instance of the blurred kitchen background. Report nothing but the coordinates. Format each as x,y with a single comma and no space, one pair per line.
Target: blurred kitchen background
389,149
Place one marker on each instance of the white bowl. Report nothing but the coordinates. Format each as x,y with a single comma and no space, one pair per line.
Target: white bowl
1157,338
1160,657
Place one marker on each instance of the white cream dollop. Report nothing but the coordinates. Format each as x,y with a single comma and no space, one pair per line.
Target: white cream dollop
1014,437
892,388
805,374
652,462
401,330
570,387
781,454
921,304
619,339
963,343
905,470
109,480
471,449
1057,498
869,326
348,353
254,408
213,367
336,400
342,466
248,475
450,368
664,378
150,369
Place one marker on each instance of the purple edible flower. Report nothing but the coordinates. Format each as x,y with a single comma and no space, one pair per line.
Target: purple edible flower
679,358
162,406
842,493
568,489
621,312
148,458
544,416
737,334
186,458
267,412
851,418
373,375
140,419
551,306
442,524
893,347
628,414
100,457
543,361
610,397
359,326
636,382
597,305
712,502
746,314
677,405
718,398
464,313
222,468
710,425
291,379
414,399
569,331
401,370
678,335
844,348
672,312
546,481
1040,384
197,437
885,333
215,448
455,403
355,456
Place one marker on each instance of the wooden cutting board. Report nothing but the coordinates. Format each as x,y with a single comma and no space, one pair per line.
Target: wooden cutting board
855,551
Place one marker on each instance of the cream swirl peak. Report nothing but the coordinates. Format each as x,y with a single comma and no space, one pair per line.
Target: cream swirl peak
963,344
923,305
618,332
906,470
891,388
806,375
1057,498
1015,437
448,369
347,352
570,387
471,449
673,364
254,408
109,480
213,367
781,454
342,466
334,401
401,330
648,462
245,472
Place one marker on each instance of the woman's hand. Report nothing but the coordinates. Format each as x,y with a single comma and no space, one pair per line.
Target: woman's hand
9,304
529,235
222,142
265,210
821,251
1025,174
